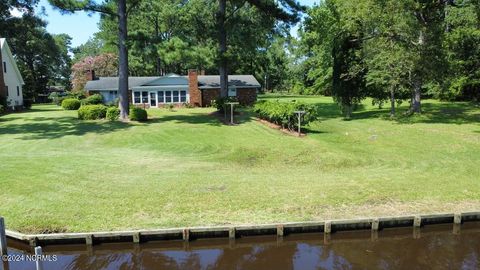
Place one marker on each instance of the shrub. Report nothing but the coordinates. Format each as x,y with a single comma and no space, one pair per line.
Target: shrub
283,113
2,109
70,104
92,112
27,103
188,105
138,114
219,103
93,100
113,113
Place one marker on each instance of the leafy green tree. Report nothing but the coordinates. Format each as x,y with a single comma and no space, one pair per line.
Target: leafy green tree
94,46
118,10
462,44
42,58
283,10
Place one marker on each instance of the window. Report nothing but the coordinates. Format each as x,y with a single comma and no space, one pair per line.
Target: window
4,67
161,98
113,93
6,90
18,91
183,96
136,97
175,96
144,97
232,92
168,96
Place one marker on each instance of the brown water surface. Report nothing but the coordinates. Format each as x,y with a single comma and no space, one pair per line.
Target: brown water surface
432,247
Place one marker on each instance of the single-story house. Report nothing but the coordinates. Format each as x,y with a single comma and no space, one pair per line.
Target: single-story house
198,90
11,81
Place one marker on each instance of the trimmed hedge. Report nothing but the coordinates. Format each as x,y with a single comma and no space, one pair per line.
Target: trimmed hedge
70,104
113,113
92,112
138,114
93,99
282,113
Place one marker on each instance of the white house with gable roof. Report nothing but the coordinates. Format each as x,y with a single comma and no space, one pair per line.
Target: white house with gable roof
11,81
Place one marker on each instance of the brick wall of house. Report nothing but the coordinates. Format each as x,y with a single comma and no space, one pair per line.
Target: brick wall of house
247,96
209,95
3,93
195,94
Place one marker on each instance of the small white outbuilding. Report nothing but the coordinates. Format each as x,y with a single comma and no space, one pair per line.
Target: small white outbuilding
12,79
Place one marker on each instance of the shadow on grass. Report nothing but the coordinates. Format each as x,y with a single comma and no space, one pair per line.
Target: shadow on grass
433,113
54,128
212,119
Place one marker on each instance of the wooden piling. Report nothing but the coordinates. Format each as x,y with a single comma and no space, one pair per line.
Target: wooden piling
136,237
417,221
375,224
280,230
89,240
457,218
3,237
231,233
186,235
328,227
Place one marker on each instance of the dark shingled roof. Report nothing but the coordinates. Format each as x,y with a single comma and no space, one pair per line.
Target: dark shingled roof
204,82
111,83
213,81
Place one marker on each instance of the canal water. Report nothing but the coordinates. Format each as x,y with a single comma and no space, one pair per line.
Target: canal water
431,247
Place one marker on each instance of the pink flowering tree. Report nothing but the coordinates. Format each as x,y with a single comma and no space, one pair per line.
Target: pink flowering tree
104,65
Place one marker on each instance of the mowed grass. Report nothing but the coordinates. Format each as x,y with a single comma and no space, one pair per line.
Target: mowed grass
185,168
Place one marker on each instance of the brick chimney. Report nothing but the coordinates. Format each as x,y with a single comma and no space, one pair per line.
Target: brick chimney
3,94
91,75
195,94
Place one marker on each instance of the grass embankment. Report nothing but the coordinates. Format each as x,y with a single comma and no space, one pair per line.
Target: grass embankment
184,168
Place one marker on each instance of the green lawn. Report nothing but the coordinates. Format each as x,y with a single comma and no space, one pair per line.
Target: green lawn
185,168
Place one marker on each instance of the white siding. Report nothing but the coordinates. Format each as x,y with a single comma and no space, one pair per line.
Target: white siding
11,78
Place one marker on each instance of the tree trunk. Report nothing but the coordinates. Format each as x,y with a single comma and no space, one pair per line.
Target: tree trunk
416,96
223,69
123,59
392,102
347,109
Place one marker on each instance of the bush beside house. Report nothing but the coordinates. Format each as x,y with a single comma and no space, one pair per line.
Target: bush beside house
92,112
93,100
138,114
71,104
113,113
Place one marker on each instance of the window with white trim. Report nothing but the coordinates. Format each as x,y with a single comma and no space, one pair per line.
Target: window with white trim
176,96
168,96
144,97
183,96
161,97
4,67
18,91
136,97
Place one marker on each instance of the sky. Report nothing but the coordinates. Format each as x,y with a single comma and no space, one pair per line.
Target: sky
81,26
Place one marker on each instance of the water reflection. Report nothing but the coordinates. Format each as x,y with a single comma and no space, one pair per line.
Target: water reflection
436,247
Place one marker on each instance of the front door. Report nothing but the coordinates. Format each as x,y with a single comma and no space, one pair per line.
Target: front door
153,99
